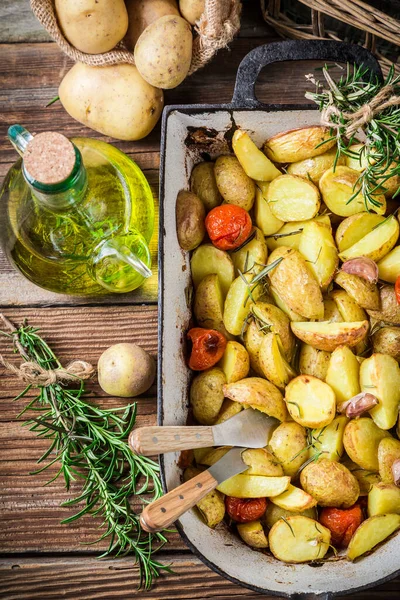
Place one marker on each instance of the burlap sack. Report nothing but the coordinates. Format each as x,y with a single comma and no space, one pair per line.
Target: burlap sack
215,29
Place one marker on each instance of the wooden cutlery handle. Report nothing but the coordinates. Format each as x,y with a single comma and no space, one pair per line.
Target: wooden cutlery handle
158,440
163,512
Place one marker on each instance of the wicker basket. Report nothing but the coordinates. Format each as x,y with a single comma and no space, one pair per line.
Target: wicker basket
347,20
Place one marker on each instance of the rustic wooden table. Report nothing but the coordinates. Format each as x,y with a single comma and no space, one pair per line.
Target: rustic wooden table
40,558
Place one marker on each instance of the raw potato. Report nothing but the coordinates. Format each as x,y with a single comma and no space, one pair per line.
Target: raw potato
329,439
263,216
273,363
90,26
384,498
313,362
163,52
191,10
253,534
370,533
376,244
143,12
203,184
273,319
289,444
233,184
389,266
290,539
274,513
190,215
261,462
212,506
361,440
254,162
317,246
208,259
389,308
310,401
207,396
254,486
295,283
364,293
324,335
330,483
351,230
126,370
257,393
388,452
295,229
343,374
380,376
209,304
292,198
387,341
348,308
229,409
337,187
294,499
235,362
298,144
280,303
314,168
114,100
238,302
252,255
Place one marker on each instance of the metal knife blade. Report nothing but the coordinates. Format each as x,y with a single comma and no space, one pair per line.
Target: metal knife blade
249,429
229,465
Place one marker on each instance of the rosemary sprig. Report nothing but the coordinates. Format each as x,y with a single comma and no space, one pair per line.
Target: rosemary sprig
89,443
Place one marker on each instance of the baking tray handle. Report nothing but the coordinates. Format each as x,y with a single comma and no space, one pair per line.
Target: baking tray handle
250,67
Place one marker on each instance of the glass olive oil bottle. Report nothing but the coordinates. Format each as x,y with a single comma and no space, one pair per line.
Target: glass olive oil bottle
79,215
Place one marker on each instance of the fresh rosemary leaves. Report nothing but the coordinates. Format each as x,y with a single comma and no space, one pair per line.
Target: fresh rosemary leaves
360,102
90,445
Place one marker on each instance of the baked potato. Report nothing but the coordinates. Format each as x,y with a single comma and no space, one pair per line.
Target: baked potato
257,393
389,266
384,498
330,483
328,336
361,440
207,395
376,244
370,533
299,539
298,144
235,362
275,512
251,256
313,362
343,374
293,198
354,228
190,215
253,534
317,246
380,376
254,162
203,184
310,401
208,259
363,292
289,445
388,452
313,168
233,184
389,310
263,216
208,305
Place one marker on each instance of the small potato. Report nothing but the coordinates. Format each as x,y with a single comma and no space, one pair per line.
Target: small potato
163,52
207,396
380,376
376,244
261,462
253,486
292,198
330,483
275,512
212,506
251,256
239,301
361,440
209,304
254,162
388,452
295,283
387,341
273,363
366,479
208,259
253,338
343,374
126,370
203,184
298,539
253,534
390,185
233,184
229,409
213,456
317,246
339,186
298,144
389,308
290,233
389,266
259,394
384,498
294,499
235,362
143,12
329,439
370,533
280,303
190,215
314,168
310,401
351,230
289,444
331,311
313,362
358,159
324,335
263,215
191,10
349,309
271,318
364,293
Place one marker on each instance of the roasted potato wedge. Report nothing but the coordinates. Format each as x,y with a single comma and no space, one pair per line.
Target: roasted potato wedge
380,376
313,362
213,455
257,393
212,506
290,233
229,409
254,486
271,318
330,483
376,244
203,184
343,374
293,198
253,338
262,462
263,217
387,341
328,441
366,479
275,512
254,162
273,363
358,159
317,246
332,313
349,309
389,311
233,184
328,336
361,440
290,539
388,452
294,499
289,444
209,304
389,266
310,401
207,396
190,216
235,362
370,533
384,498
313,168
298,144
280,303
253,534
208,259
238,302
251,256
351,230
364,293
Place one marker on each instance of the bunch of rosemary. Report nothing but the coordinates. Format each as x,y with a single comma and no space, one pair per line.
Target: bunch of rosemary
89,444
359,102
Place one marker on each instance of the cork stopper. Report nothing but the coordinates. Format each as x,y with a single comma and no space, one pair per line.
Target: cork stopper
49,158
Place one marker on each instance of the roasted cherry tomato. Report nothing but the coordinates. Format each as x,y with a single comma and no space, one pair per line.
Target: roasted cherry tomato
228,226
397,289
243,510
342,523
207,349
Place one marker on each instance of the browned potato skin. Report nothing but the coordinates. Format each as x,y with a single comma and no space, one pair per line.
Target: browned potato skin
143,12
387,341
297,144
329,343
390,310
207,396
203,184
234,185
363,292
190,216
314,167
330,483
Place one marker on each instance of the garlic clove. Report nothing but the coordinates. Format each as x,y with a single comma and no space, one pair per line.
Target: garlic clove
358,405
396,472
363,267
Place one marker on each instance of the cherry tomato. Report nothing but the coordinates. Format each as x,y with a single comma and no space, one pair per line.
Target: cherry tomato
342,523
207,349
228,226
397,289
243,510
